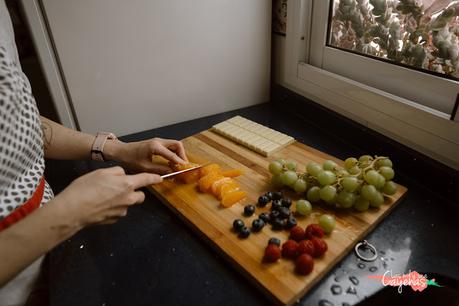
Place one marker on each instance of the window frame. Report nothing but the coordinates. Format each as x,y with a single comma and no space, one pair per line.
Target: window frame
422,128
426,88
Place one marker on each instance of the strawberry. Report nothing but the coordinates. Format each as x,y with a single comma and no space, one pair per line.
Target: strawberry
314,230
290,249
304,264
297,233
272,253
320,246
306,247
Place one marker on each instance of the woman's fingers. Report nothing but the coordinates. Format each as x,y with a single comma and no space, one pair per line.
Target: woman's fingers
168,154
109,221
177,147
157,168
140,180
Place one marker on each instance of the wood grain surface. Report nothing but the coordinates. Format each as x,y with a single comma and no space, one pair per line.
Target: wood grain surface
205,215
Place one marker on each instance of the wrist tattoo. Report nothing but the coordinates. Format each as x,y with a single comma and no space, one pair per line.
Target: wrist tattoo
47,135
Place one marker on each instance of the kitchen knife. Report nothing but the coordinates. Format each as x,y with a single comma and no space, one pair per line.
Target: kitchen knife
181,171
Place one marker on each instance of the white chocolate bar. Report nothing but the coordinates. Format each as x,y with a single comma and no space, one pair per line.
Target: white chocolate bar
252,135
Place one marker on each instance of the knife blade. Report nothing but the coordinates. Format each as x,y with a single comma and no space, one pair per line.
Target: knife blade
181,171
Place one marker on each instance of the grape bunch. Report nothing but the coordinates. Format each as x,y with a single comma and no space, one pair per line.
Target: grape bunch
361,183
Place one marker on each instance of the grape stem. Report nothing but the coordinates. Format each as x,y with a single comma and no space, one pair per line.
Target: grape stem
371,165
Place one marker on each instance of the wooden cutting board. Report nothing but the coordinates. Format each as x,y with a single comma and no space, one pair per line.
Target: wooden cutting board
204,214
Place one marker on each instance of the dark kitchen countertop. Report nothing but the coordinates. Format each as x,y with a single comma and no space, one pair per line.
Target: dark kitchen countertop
152,258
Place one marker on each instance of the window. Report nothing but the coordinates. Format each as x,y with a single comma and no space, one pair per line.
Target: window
409,48
391,65
420,35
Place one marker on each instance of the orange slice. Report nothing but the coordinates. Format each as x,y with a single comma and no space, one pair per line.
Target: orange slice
216,185
232,197
205,182
225,188
210,168
232,172
178,167
189,177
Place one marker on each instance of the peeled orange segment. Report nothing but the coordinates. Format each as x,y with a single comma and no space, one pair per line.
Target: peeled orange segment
191,176
232,197
210,168
227,187
232,172
178,167
187,177
205,182
216,185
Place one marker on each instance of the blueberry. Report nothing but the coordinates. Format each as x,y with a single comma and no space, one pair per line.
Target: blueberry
275,241
264,216
273,216
249,210
284,212
257,225
276,204
278,224
269,195
277,195
244,233
286,202
238,224
263,200
291,222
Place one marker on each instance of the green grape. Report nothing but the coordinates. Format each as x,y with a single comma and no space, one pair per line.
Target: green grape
381,181
275,167
327,223
326,177
282,161
350,162
289,177
385,162
345,199
300,186
377,200
365,159
329,165
390,188
303,207
328,193
276,181
342,172
313,168
350,183
290,165
361,204
313,194
368,192
372,177
354,170
387,172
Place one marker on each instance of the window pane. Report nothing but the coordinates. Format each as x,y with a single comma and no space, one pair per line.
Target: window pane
420,34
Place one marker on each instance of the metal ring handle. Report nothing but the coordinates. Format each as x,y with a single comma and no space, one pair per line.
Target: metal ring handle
366,245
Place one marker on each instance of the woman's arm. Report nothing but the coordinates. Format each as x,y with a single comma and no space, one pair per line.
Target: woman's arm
35,235
101,196
64,143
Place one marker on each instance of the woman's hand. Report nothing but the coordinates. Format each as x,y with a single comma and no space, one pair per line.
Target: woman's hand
137,156
103,196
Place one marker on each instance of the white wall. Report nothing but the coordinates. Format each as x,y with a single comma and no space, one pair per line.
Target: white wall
139,64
